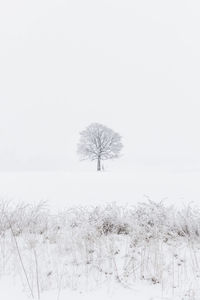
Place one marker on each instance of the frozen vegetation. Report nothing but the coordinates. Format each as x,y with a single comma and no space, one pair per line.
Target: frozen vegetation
87,248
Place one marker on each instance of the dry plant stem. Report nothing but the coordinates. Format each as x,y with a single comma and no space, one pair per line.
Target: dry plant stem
37,274
173,275
60,285
3,253
20,258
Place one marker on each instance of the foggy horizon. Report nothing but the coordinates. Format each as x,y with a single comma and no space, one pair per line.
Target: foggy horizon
133,67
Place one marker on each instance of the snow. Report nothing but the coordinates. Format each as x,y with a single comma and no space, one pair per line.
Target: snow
131,65
9,291
66,189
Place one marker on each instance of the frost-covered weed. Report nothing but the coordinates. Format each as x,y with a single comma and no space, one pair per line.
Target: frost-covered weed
85,247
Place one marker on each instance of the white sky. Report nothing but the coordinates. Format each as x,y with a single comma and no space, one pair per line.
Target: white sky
131,65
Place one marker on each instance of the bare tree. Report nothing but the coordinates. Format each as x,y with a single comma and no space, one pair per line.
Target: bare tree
98,142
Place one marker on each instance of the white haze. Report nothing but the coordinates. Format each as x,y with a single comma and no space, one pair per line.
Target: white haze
131,65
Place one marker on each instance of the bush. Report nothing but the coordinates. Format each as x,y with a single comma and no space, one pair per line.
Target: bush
149,241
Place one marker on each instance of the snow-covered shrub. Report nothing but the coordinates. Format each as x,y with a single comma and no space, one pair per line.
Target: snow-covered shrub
92,245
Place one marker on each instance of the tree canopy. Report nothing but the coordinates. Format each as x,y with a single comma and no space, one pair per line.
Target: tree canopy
98,142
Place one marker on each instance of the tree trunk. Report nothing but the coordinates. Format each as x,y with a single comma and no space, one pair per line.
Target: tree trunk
99,164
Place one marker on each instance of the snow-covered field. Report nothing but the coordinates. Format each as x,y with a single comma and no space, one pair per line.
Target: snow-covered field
11,290
64,190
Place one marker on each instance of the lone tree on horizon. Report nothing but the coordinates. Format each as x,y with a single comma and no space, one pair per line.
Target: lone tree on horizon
98,142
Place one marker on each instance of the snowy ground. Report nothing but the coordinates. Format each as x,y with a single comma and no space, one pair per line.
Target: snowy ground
140,292
63,190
